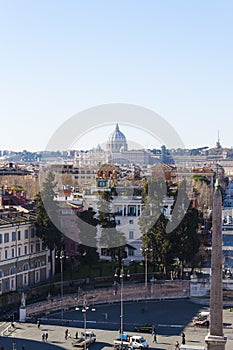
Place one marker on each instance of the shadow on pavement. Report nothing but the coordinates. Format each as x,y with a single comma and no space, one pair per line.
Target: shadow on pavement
29,344
100,345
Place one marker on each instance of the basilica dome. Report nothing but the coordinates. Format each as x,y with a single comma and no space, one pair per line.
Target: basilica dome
117,141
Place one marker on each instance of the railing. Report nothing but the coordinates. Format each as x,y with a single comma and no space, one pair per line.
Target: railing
134,292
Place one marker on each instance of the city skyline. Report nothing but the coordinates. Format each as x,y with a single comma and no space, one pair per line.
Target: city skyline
61,58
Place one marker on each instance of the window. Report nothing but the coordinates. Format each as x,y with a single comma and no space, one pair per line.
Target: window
37,279
72,223
13,252
13,236
63,223
1,274
6,237
19,251
19,235
25,250
31,248
119,210
25,234
132,210
72,247
26,267
13,270
131,222
25,279
32,232
6,286
130,252
0,238
0,254
37,263
38,247
6,254
12,283
131,234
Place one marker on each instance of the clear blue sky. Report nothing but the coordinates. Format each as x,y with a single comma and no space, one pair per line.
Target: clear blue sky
60,57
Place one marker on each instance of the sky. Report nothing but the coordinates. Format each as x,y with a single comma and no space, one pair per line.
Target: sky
59,58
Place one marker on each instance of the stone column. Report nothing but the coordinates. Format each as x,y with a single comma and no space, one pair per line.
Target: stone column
215,339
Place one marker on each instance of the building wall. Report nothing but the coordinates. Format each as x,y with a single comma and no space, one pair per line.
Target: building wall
24,261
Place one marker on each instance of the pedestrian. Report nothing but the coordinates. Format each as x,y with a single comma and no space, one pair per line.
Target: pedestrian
66,333
43,337
154,337
46,336
38,323
76,335
177,345
183,338
131,346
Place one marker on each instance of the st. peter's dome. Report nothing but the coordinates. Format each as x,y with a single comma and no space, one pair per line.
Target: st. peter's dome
117,141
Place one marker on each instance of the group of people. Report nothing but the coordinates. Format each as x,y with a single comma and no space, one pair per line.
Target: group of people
44,336
177,345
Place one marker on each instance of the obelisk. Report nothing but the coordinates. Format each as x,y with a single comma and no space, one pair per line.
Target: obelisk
215,339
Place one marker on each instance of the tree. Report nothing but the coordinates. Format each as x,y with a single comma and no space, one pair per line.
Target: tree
113,240
87,254
157,239
47,217
175,239
185,240
152,195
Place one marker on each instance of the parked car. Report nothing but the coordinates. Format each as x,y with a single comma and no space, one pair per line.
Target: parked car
146,328
202,319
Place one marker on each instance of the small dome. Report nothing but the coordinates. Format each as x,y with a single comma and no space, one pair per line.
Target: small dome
117,141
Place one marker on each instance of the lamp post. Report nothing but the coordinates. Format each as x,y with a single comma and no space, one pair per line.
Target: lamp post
85,308
61,256
120,274
146,250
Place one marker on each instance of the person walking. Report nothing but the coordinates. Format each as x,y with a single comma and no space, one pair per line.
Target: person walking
76,335
38,323
154,334
183,338
154,337
66,334
177,345
46,336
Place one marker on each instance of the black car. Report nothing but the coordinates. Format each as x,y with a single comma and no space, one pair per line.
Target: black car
146,328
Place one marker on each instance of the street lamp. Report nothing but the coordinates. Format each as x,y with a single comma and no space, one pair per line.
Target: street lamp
85,308
145,252
121,274
61,256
